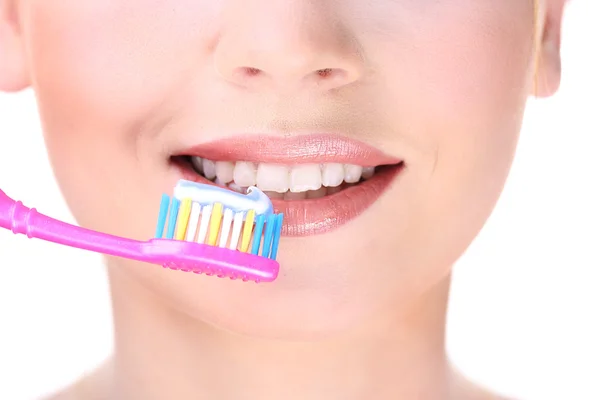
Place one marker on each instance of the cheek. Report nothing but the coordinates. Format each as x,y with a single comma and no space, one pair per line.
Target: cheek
456,88
476,106
463,72
465,87
111,64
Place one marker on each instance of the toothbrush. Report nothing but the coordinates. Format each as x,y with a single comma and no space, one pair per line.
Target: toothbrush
177,251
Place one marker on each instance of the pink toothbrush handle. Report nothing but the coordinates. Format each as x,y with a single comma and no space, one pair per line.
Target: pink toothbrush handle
174,254
20,219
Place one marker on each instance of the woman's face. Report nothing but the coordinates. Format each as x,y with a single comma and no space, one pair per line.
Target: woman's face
439,85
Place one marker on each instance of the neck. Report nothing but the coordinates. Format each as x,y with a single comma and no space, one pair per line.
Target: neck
162,353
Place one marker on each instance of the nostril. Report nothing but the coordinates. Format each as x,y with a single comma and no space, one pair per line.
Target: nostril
325,72
241,74
244,75
330,77
250,71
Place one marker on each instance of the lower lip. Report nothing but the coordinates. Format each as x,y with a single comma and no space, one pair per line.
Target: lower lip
316,216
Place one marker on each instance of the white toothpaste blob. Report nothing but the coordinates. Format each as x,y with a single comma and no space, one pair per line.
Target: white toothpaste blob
203,194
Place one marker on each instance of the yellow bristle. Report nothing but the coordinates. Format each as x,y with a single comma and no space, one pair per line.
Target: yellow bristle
183,218
247,235
215,224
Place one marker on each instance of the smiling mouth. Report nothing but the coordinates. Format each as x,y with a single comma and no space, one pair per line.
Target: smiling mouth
280,181
318,182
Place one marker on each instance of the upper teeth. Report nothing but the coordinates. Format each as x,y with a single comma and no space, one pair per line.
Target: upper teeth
281,178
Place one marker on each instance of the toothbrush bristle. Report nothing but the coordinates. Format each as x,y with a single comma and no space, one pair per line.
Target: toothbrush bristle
193,222
226,227
162,216
173,211
266,249
183,218
277,236
247,234
215,223
236,230
204,222
258,229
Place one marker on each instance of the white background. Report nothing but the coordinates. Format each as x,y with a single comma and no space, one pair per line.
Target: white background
525,309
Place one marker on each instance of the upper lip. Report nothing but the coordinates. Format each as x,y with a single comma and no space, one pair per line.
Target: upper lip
313,148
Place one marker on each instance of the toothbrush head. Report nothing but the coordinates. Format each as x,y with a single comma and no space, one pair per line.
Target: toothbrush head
216,231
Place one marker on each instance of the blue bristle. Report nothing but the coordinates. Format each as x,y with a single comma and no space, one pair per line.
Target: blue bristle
162,216
260,222
276,237
173,218
271,221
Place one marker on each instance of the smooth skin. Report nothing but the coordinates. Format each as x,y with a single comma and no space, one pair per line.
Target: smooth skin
359,312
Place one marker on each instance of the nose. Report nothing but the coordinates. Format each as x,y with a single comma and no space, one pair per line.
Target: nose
284,44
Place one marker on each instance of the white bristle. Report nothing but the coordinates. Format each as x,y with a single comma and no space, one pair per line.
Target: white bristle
204,220
237,229
193,222
226,227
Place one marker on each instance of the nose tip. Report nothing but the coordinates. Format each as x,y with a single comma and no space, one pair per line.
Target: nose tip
286,50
